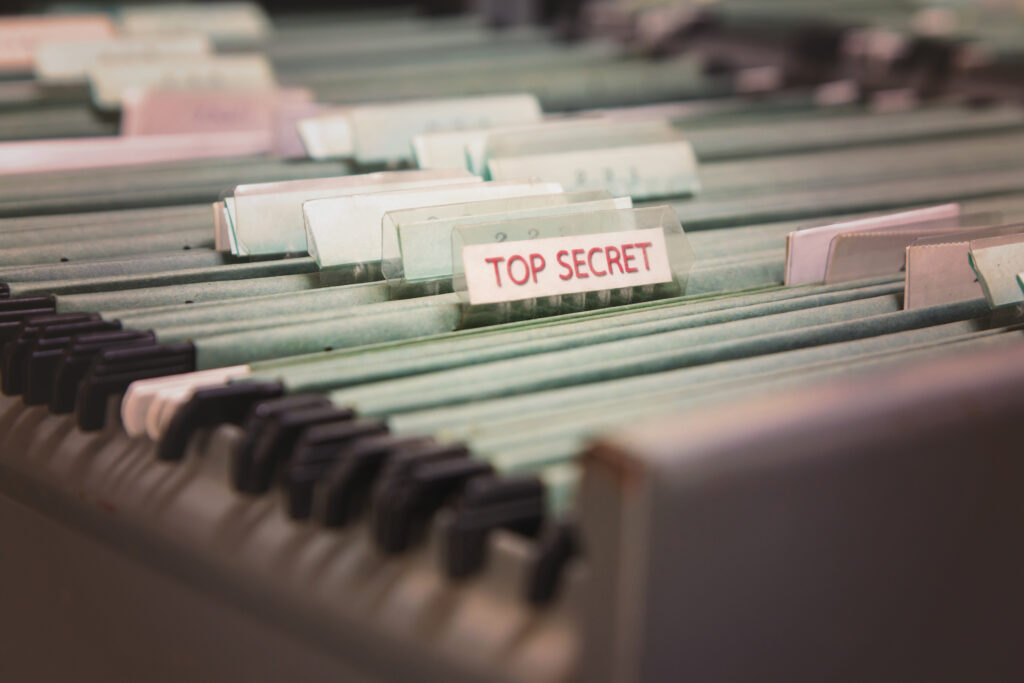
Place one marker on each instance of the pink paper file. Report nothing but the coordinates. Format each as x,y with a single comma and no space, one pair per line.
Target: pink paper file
83,153
807,250
159,112
19,36
287,144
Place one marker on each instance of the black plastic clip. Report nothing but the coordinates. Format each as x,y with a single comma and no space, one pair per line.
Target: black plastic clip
270,439
77,357
112,370
33,368
414,486
558,544
487,503
343,492
316,451
15,350
209,407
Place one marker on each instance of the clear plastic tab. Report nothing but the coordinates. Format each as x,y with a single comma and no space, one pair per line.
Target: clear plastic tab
347,230
112,76
468,148
267,217
417,242
377,133
226,23
528,267
644,160
63,62
573,135
997,261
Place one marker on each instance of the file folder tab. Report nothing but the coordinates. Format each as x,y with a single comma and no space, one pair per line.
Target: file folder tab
347,230
111,77
226,23
416,243
266,218
644,160
68,62
559,255
997,261
162,112
939,269
377,133
31,156
468,148
807,250
20,36
876,253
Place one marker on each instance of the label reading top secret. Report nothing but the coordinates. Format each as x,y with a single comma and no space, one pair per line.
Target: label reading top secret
526,269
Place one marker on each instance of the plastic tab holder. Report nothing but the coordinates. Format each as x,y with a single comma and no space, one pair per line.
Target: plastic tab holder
382,132
266,218
416,243
343,231
643,160
534,267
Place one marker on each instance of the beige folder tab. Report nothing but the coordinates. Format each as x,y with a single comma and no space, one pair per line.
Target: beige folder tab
997,261
939,270
862,255
20,36
807,250
67,62
111,77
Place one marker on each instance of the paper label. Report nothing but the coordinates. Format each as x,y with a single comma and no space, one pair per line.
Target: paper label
347,230
111,77
224,22
157,112
375,133
20,36
526,269
640,171
426,246
70,61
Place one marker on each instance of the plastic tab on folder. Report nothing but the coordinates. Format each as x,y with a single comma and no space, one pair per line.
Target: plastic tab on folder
347,230
226,23
997,261
468,148
111,77
68,62
417,242
939,269
375,133
644,160
553,256
20,36
266,218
